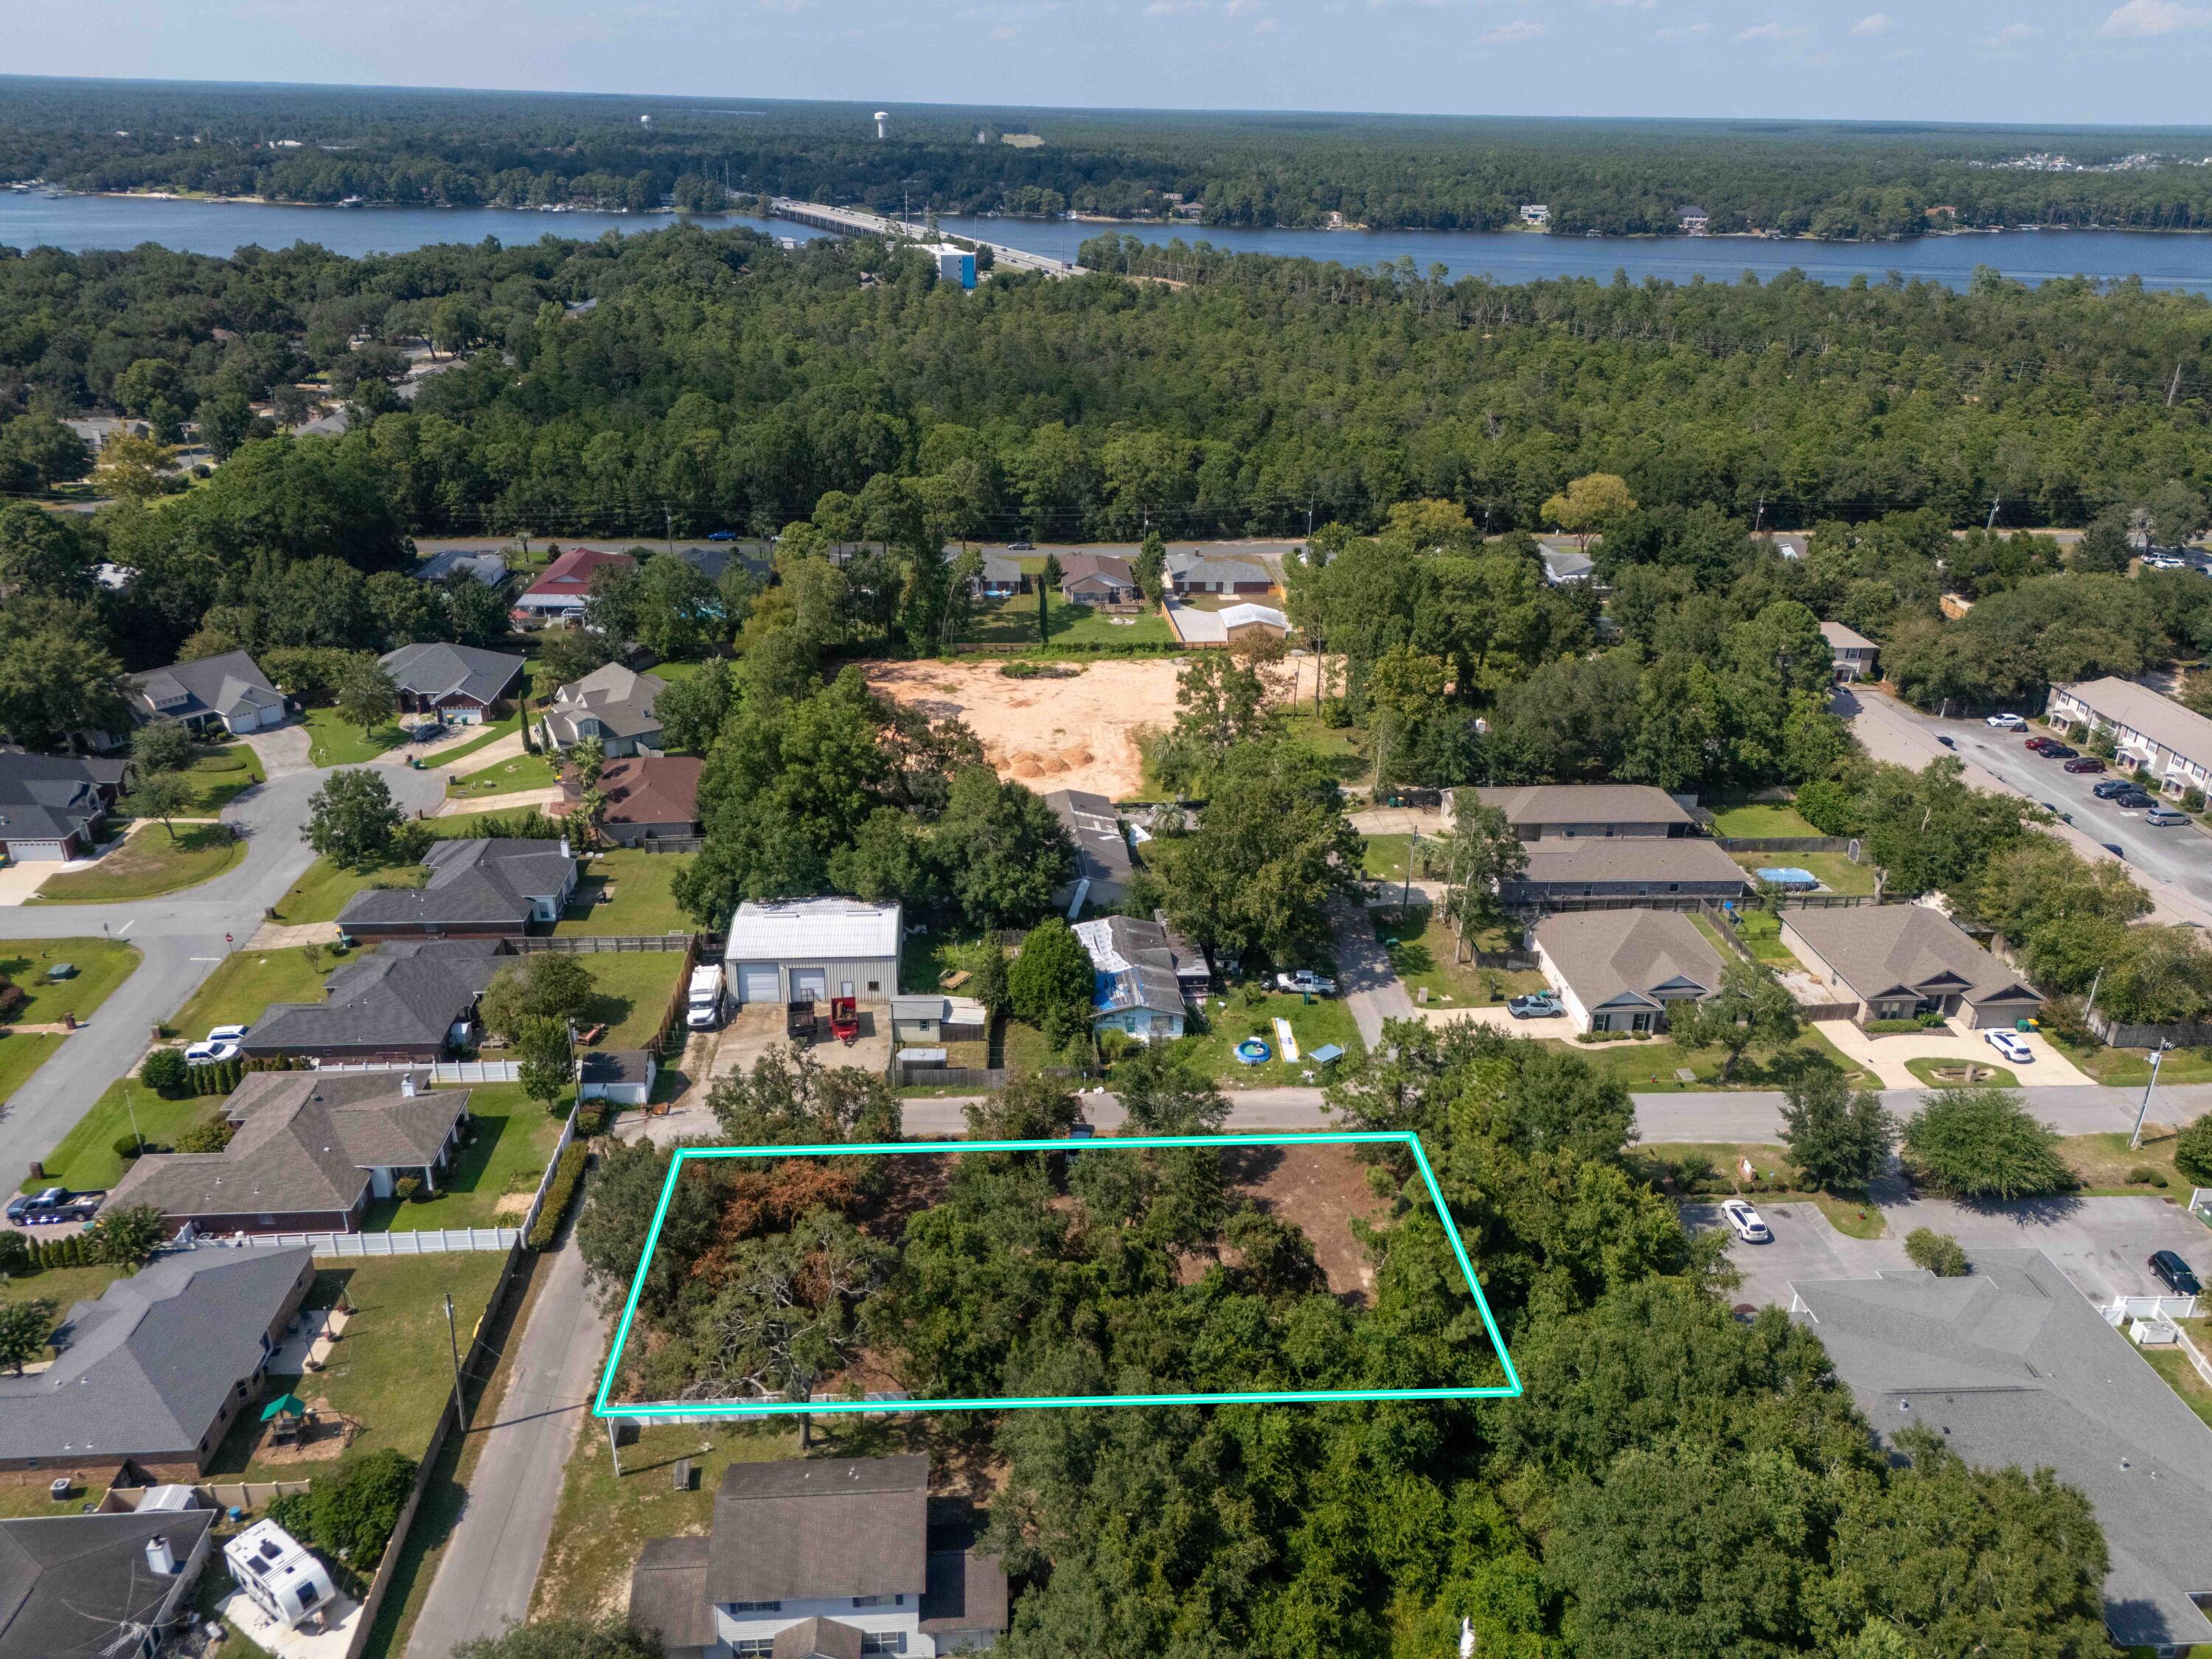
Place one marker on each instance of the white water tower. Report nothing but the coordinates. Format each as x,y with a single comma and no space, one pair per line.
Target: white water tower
882,123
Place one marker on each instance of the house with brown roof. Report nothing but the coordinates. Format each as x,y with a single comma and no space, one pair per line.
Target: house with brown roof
1854,654
819,1557
648,797
1623,971
308,1152
1575,810
1101,580
1898,961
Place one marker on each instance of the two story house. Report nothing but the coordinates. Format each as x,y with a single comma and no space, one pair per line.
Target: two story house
2147,728
1854,654
613,704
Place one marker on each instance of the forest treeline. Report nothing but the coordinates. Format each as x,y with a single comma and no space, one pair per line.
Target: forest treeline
460,149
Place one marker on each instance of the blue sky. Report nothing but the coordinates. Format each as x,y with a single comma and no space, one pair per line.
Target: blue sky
2034,61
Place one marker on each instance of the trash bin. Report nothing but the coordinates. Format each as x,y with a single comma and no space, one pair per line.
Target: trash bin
2027,1025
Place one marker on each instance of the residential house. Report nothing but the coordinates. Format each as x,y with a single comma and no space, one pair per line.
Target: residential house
489,569
489,888
1622,970
1694,221
932,1017
411,999
1103,864
1202,573
1537,215
309,1152
613,704
1565,562
786,949
459,684
1792,544
1539,810
55,806
99,1584
1143,976
2149,729
1897,961
558,595
714,559
648,797
1667,872
1000,578
819,1557
149,1377
229,692
1231,622
2012,1367
1100,579
1855,653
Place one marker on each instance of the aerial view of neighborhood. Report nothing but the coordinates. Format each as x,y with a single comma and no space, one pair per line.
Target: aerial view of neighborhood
918,829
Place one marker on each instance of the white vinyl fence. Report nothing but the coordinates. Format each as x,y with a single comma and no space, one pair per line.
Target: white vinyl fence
2123,1309
430,1241
444,1071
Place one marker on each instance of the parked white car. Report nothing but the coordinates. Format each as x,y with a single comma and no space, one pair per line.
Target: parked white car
226,1034
2009,1044
211,1054
1744,1222
2005,722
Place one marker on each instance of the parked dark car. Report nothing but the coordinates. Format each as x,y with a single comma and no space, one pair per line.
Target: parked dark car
2173,1272
721,535
2111,786
2057,751
2084,763
52,1206
2037,745
2133,801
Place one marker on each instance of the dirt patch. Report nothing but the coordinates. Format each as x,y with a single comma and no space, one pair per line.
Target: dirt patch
327,1440
1321,1190
512,1204
1078,732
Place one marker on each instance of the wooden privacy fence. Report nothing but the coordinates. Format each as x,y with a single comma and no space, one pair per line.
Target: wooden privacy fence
668,844
2118,1035
1843,844
980,1079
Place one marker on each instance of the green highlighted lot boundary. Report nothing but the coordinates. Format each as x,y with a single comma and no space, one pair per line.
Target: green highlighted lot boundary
1510,1389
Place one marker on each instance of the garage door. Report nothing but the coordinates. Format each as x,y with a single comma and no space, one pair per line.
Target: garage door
24,851
810,983
757,982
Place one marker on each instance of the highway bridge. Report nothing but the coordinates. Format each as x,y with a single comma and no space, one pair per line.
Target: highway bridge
859,221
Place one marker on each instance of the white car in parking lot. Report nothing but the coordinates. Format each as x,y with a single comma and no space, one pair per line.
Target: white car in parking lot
2009,1044
1743,1221
2005,722
211,1054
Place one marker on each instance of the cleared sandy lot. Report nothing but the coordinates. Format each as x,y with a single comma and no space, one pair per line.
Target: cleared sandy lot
1078,732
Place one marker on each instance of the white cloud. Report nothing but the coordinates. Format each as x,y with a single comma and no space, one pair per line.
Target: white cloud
1505,34
1683,32
1770,31
2140,20
1874,22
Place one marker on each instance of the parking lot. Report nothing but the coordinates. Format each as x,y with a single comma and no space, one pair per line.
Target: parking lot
2101,1244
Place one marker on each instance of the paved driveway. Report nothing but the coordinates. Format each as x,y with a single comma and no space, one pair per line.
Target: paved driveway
1884,1056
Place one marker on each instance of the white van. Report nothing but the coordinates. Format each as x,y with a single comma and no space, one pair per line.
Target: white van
703,1011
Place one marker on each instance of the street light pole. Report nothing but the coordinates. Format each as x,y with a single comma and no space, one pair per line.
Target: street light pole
2142,1111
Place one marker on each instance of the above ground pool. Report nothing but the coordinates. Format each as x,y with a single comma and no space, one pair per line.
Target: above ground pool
1252,1052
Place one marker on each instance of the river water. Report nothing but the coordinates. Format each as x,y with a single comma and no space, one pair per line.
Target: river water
77,222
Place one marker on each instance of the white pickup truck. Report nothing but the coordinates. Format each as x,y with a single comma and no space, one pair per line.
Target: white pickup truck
703,1010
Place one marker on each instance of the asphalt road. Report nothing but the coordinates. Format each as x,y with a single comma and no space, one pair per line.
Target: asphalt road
182,938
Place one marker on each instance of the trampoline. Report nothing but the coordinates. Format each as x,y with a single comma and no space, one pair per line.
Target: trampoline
1252,1052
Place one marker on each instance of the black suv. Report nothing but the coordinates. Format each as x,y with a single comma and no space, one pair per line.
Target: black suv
2173,1272
2058,751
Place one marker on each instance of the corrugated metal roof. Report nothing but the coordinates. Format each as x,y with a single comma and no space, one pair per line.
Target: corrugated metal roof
837,929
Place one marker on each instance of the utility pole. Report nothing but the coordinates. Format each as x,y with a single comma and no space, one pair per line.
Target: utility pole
2173,387
614,1446
453,1346
1406,894
1995,504
2142,1111
1758,516
668,525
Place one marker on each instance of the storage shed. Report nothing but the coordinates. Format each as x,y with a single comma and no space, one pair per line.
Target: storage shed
820,948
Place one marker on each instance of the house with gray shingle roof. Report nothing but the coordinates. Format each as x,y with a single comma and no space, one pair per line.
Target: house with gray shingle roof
489,569
1103,864
229,691
1897,961
149,1376
411,999
487,887
1141,974
459,682
309,1152
1623,971
1195,572
1667,871
74,1584
2012,1366
55,806
613,704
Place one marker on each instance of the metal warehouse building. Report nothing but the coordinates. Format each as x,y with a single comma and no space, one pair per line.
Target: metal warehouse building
816,947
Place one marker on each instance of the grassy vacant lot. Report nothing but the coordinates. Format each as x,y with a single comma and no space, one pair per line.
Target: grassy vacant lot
1774,1180
149,863
627,892
603,1519
320,894
1833,869
1760,818
505,777
2103,1164
515,1139
1383,857
633,988
334,740
1339,746
1649,1067
925,958
22,1054
392,1372
64,1287
1422,954
86,1158
1322,1021
2130,1068
101,965
219,776
1014,621
246,982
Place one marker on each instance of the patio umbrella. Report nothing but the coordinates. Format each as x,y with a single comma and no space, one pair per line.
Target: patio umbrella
290,1405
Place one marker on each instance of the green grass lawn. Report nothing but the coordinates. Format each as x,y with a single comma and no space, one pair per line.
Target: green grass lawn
22,1054
320,894
603,1519
624,891
246,982
925,958
505,777
334,740
218,776
1760,818
486,736
1014,621
1760,929
148,865
101,965
392,1372
1833,869
1649,1068
1324,1021
2106,1164
2130,1068
1341,748
1383,857
467,826
1422,958
515,1139
2181,1376
634,987
86,1159
1926,1068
